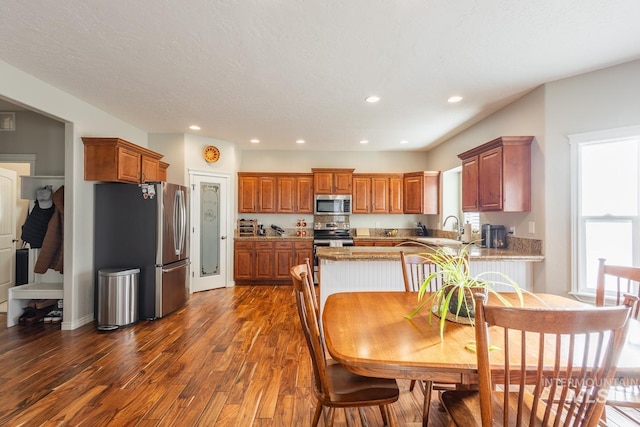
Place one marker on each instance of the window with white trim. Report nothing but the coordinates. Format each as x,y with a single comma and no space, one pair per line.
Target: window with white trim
605,203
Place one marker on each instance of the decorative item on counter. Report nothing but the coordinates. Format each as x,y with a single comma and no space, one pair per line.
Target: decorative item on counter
301,224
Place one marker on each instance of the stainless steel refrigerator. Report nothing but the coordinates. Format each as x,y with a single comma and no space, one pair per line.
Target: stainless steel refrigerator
135,228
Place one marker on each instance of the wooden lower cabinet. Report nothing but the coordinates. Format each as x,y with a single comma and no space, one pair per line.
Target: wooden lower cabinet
381,242
269,262
243,254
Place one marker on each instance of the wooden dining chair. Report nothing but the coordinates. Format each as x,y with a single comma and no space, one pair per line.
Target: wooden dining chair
334,385
548,365
627,281
415,268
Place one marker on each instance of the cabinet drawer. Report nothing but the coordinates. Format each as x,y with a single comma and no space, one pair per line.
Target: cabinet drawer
244,245
303,245
263,245
284,245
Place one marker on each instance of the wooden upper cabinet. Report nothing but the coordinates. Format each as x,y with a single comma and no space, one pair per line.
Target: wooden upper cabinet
332,181
380,194
117,160
247,194
162,171
373,193
496,176
470,184
266,194
286,193
422,192
396,202
275,193
304,194
361,199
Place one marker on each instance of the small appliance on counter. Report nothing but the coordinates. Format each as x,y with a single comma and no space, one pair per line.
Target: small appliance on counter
494,236
279,230
261,230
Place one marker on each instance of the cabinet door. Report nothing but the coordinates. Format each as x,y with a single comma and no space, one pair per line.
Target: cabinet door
379,195
323,182
286,194
395,195
150,169
413,194
243,261
470,185
264,260
304,194
303,251
431,195
490,180
247,194
267,194
342,182
128,165
283,259
363,243
361,200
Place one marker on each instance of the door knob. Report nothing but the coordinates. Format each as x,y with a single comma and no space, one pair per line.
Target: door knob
223,237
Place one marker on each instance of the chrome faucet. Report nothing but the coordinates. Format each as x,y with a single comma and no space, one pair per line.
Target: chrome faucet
458,233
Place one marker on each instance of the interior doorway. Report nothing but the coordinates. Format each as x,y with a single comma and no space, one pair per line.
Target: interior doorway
210,243
20,165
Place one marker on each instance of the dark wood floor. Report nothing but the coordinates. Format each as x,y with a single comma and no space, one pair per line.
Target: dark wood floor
230,357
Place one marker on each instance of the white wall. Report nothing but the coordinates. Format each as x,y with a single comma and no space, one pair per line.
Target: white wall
82,119
362,161
603,99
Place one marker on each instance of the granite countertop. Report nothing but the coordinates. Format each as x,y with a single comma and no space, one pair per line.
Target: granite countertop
362,253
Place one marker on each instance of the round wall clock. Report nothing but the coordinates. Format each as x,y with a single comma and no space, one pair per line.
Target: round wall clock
211,154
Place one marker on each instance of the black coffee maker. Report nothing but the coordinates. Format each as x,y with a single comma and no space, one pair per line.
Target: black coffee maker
494,236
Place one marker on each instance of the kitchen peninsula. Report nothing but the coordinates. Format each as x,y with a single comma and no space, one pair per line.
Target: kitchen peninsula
358,268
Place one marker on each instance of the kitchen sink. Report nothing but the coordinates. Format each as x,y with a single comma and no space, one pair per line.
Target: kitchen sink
438,241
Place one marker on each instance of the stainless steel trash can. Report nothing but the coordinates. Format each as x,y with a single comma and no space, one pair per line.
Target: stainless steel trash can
117,298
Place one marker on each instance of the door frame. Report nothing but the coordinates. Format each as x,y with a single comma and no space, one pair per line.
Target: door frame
228,245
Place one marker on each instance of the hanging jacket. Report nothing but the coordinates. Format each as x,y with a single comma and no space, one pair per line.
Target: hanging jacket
51,254
36,224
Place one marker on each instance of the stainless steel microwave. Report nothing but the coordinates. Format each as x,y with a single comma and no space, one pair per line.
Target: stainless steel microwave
332,204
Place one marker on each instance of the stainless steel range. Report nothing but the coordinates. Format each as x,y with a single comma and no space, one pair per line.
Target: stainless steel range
330,231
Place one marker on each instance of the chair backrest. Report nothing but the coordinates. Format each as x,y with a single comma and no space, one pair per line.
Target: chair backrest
417,267
563,357
627,282
303,288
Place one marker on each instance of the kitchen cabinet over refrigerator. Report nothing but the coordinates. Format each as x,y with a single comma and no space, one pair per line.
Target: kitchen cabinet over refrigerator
145,227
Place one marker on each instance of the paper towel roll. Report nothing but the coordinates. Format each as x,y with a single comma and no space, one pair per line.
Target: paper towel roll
466,234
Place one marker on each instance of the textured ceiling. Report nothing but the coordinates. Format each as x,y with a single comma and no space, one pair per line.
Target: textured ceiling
280,70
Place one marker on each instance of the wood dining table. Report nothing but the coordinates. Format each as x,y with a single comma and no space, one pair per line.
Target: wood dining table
369,333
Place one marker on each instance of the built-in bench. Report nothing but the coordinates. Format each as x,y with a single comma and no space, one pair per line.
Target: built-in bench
19,297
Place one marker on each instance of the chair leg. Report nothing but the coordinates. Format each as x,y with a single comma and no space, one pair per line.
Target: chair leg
387,416
412,385
316,415
426,403
329,419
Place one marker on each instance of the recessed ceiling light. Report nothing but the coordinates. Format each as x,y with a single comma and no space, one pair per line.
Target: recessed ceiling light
454,99
364,141
300,141
194,127
404,141
372,99
255,141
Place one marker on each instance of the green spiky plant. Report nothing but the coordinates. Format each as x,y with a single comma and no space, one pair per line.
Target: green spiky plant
453,270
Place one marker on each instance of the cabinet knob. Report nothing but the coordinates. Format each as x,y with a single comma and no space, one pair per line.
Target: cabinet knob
223,237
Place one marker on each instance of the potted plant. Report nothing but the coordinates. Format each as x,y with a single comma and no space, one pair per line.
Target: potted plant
455,296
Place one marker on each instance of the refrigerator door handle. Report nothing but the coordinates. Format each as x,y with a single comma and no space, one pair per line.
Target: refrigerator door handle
179,222
168,270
